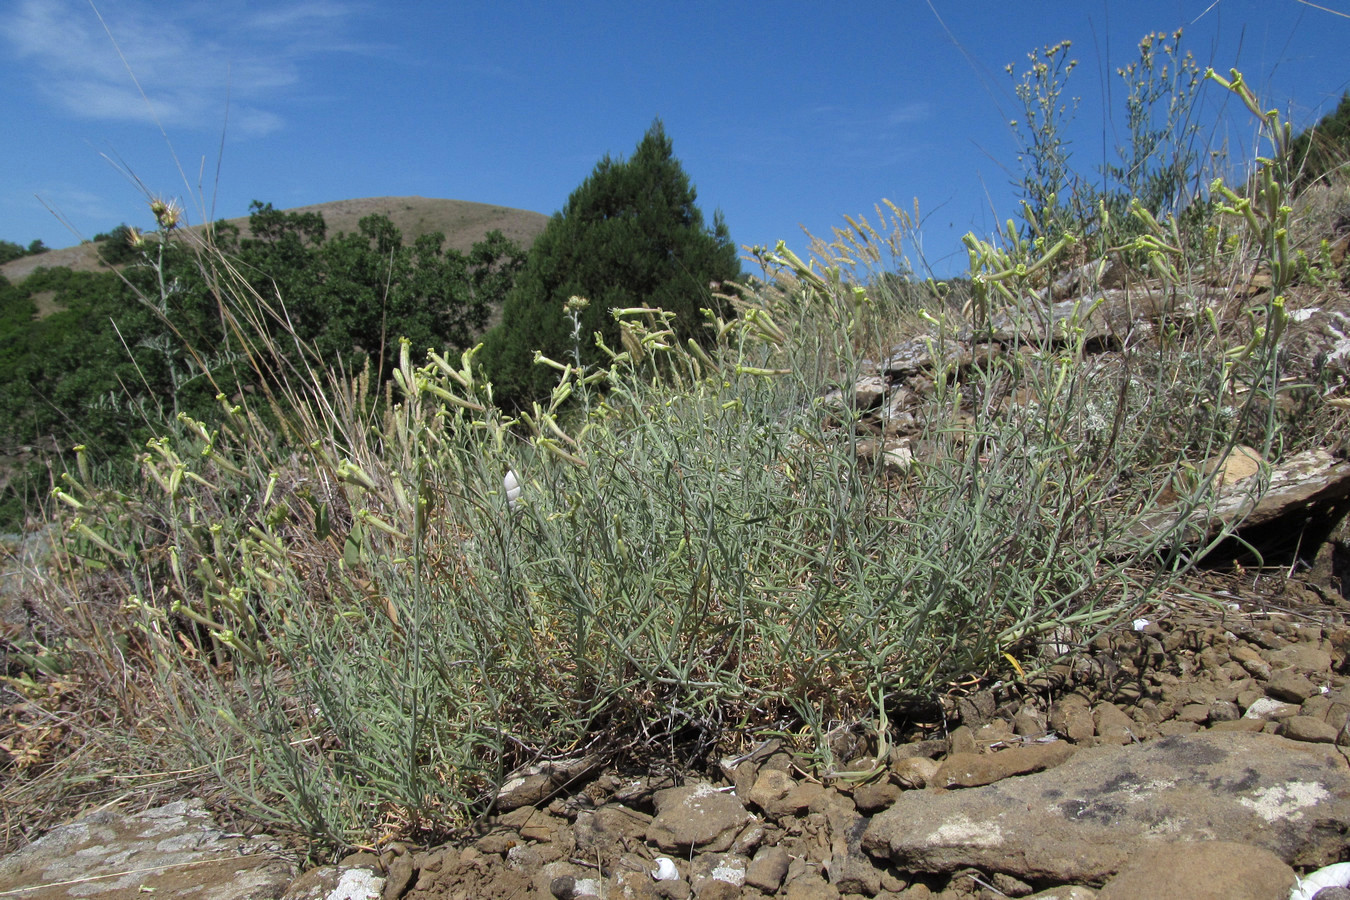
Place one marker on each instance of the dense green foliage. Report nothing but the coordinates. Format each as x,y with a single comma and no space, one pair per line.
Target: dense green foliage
118,354
118,246
631,235
353,296
10,251
1322,148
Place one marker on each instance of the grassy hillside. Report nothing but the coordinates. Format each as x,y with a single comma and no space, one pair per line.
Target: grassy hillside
460,221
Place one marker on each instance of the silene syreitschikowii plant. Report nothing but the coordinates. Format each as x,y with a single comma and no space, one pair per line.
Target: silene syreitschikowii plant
1159,165
345,610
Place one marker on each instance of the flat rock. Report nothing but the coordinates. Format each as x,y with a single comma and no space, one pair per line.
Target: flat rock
535,784
175,850
1306,728
336,883
1082,822
696,817
923,353
1291,687
1202,869
1108,315
1307,489
976,769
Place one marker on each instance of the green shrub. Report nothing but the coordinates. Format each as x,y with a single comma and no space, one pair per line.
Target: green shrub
119,246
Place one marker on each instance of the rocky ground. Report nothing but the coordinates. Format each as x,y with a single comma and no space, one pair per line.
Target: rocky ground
1196,752
1197,755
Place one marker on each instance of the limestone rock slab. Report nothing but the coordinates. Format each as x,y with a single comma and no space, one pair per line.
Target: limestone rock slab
1202,869
174,850
1082,821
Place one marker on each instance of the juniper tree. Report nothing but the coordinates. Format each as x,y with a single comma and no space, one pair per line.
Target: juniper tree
630,235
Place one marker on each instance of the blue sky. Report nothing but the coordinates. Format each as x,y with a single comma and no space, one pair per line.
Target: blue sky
784,115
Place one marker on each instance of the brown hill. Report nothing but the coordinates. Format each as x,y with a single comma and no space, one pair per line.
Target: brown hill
463,223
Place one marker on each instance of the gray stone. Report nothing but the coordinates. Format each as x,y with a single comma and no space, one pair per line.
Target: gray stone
767,869
1101,315
1306,728
1084,820
1291,687
917,354
868,391
914,771
336,883
175,850
975,769
1202,869
535,784
696,817
1271,512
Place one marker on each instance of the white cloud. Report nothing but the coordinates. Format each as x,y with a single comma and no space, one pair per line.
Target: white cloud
190,58
70,203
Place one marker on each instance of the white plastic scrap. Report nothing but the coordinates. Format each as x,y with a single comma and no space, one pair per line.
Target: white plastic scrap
1337,875
665,870
512,486
1141,624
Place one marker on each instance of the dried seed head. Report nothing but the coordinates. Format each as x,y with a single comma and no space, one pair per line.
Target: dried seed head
167,213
